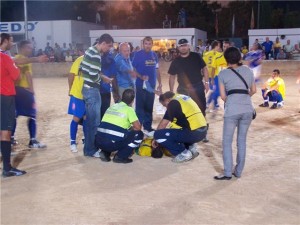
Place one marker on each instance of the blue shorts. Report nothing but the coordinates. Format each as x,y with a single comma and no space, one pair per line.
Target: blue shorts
25,103
76,107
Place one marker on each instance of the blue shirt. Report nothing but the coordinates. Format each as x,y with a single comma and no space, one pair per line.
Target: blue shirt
123,65
254,57
109,69
267,45
146,64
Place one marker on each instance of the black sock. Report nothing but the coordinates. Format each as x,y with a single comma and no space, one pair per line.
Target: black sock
5,151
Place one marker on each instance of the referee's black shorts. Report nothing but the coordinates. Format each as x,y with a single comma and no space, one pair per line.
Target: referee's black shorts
8,112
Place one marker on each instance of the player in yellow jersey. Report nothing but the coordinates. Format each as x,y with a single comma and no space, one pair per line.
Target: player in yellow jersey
274,91
76,105
209,58
25,101
219,63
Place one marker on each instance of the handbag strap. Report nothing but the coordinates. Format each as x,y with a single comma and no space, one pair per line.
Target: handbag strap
240,76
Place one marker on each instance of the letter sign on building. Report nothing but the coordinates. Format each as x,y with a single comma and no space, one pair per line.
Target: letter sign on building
17,27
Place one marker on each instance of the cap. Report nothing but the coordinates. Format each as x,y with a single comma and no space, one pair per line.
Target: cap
182,42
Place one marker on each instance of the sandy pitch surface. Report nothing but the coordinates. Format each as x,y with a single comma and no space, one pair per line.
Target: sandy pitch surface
66,188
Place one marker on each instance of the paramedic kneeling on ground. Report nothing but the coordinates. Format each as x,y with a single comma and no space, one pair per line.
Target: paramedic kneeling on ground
187,126
119,130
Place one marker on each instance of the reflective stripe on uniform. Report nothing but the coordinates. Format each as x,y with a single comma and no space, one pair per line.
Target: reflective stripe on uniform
112,132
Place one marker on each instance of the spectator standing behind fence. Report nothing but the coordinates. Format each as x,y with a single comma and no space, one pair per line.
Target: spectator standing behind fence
238,111
48,49
277,47
268,48
288,49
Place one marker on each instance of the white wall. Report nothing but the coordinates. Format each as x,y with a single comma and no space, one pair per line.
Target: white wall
56,31
261,34
135,36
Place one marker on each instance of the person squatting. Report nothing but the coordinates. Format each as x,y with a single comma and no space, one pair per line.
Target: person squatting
119,133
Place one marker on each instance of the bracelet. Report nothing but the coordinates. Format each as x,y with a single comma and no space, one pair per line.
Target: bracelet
206,82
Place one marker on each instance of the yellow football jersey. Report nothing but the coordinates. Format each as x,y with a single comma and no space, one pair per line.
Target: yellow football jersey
24,69
78,79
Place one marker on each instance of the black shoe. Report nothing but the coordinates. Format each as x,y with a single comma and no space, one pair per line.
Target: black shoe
205,140
13,141
13,172
265,104
274,106
105,156
117,159
222,178
235,175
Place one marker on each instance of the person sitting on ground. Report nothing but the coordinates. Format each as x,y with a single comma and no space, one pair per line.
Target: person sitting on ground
119,130
187,126
274,91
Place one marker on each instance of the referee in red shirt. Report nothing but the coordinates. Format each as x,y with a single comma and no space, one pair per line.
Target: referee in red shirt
9,74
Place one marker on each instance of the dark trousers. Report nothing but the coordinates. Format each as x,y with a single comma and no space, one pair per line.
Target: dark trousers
177,140
105,98
197,93
144,101
124,145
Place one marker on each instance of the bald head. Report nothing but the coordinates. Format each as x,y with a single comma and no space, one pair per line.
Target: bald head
124,50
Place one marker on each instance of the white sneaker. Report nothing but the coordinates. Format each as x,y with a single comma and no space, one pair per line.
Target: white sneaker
184,156
97,154
36,144
149,133
194,150
280,104
73,148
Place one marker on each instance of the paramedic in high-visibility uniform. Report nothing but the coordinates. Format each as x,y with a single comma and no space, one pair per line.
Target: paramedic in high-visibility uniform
182,126
119,130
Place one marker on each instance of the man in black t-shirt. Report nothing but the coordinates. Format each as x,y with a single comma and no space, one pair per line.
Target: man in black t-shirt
188,68
192,75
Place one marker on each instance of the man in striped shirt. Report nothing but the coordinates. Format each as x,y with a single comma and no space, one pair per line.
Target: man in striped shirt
92,75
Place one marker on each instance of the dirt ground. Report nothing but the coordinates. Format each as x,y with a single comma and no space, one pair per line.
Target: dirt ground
67,188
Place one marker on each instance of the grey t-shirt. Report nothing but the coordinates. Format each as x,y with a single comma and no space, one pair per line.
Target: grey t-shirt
237,103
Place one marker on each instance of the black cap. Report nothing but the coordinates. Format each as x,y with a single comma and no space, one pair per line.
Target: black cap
182,42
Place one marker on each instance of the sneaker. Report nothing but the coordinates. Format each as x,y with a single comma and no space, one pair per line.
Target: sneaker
13,142
205,140
265,104
117,159
149,133
36,144
184,156
97,154
73,148
13,172
274,106
194,150
279,104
